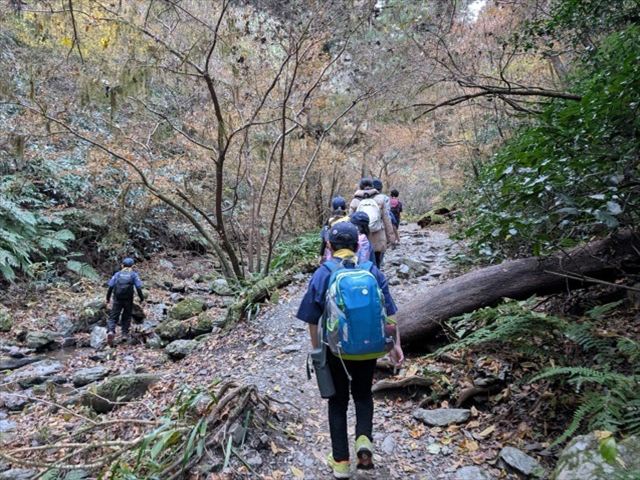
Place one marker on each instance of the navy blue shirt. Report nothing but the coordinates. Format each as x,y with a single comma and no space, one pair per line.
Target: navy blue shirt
312,304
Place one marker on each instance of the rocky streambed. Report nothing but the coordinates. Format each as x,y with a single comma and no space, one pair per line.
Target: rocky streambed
56,367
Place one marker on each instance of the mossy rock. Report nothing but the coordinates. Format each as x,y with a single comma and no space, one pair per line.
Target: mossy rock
581,459
122,388
187,308
431,218
206,321
6,321
220,286
171,330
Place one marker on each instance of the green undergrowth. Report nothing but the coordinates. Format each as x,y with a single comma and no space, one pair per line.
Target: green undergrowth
573,172
301,249
602,372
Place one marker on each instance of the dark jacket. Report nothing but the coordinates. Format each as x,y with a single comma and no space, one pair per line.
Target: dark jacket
137,283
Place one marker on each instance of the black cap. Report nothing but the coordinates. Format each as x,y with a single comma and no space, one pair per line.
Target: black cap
360,218
343,234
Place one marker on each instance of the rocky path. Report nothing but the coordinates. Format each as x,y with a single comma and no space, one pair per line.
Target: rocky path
275,361
268,350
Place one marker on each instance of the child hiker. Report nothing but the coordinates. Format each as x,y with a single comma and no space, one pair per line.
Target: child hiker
338,214
396,211
365,252
350,371
121,287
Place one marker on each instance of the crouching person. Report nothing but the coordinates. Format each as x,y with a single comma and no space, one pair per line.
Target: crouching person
121,286
352,333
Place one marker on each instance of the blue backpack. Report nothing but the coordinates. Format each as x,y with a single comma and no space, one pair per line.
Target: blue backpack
354,317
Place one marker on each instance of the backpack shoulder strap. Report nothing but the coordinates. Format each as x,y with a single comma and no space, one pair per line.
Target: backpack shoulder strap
368,265
333,265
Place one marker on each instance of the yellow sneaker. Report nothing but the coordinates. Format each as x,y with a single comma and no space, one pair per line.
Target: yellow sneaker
364,450
340,469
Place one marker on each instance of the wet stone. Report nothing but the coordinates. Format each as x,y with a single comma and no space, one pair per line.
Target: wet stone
34,374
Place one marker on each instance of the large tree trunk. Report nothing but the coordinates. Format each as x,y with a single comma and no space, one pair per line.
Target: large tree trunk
517,279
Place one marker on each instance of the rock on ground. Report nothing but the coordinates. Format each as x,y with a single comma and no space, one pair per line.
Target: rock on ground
519,460
86,376
65,326
581,459
15,401
122,388
442,417
187,308
17,474
472,473
7,426
179,349
221,287
170,330
40,341
7,363
6,322
34,374
98,337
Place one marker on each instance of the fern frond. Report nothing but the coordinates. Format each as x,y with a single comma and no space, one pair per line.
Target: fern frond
590,403
584,375
600,311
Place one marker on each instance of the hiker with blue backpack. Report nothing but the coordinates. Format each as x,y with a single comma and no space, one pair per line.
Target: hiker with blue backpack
121,287
349,310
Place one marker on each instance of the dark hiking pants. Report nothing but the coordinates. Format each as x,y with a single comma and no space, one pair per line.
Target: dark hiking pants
362,377
379,259
121,310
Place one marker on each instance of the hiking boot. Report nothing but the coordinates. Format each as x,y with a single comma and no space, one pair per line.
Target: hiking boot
364,451
110,337
340,469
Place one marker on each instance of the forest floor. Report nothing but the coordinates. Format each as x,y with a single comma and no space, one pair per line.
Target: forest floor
270,351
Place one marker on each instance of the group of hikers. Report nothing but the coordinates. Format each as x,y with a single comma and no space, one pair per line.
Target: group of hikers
347,305
376,216
350,311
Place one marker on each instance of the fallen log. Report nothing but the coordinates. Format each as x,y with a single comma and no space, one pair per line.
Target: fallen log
262,290
595,262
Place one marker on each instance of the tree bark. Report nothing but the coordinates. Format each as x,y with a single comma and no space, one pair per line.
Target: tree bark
517,279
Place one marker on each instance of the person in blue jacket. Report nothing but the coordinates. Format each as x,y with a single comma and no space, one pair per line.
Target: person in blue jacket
343,242
121,286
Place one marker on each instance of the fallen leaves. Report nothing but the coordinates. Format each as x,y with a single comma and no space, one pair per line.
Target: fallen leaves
297,472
